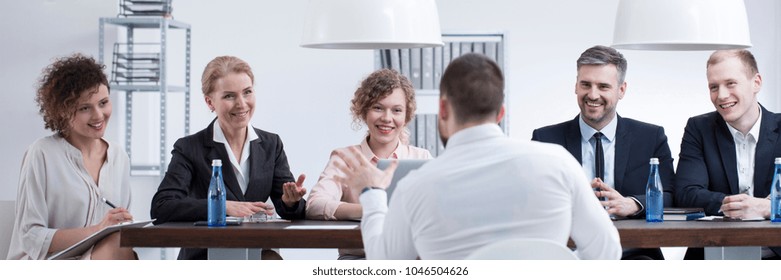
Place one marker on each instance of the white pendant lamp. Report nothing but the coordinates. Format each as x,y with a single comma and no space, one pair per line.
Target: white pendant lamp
681,25
371,24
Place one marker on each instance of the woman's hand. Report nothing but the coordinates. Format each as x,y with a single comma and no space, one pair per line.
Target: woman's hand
115,216
293,192
243,209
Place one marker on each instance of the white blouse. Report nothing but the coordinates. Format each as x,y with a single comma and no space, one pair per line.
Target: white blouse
57,192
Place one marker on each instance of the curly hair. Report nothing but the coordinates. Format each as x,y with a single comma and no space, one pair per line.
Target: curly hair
377,86
61,85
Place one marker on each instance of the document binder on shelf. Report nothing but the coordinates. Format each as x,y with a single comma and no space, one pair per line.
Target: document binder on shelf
148,8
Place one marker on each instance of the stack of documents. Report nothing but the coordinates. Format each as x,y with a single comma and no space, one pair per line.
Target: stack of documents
145,8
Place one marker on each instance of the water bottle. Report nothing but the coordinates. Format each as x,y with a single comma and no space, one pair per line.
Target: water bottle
216,198
775,194
654,202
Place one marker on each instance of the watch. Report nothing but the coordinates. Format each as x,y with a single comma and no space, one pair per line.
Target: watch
371,188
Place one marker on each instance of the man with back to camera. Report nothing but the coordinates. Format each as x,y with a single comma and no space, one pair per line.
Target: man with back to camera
626,145
727,156
484,188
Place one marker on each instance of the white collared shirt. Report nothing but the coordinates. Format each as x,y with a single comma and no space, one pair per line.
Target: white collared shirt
588,145
523,189
240,168
745,151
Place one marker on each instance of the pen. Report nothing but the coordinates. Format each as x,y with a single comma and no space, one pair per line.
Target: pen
109,203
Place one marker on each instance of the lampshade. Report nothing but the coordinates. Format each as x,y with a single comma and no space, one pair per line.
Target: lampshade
681,25
371,24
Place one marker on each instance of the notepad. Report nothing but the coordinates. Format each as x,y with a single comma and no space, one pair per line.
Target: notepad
683,214
86,243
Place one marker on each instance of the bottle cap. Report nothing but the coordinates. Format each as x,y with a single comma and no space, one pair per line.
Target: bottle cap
654,160
216,162
778,160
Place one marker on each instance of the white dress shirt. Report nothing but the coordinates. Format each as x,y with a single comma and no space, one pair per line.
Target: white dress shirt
588,145
57,192
487,187
240,168
745,149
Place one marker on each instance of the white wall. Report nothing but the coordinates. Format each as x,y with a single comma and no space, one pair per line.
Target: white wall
31,34
303,94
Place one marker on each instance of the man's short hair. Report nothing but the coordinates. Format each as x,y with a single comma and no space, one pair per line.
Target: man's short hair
601,55
745,56
474,84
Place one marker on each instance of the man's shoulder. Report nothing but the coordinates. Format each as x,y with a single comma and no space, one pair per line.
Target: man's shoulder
704,120
540,148
555,131
556,127
636,123
640,127
774,116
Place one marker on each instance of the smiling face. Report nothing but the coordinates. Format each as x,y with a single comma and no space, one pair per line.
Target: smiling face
598,92
90,119
733,92
386,119
233,100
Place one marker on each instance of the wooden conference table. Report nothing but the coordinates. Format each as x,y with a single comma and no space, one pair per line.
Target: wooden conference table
722,240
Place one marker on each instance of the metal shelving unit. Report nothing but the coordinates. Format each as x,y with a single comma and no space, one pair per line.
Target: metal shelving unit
158,85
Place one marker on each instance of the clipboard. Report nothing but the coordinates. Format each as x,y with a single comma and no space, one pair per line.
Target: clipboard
86,243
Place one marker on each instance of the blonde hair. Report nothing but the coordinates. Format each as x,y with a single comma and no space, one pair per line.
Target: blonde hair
220,67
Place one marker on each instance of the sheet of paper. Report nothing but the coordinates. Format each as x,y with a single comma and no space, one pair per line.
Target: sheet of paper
721,218
322,227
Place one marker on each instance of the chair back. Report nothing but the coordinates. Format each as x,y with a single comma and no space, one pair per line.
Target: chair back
523,249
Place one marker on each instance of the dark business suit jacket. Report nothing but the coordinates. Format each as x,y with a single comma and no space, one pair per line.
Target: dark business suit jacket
181,196
707,168
636,143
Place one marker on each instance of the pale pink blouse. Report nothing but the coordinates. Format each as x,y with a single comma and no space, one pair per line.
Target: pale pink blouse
326,195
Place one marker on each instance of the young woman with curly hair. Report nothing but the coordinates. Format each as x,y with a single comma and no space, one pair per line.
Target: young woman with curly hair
385,103
65,176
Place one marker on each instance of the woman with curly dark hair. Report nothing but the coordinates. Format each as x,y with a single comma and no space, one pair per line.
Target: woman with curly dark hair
385,103
65,176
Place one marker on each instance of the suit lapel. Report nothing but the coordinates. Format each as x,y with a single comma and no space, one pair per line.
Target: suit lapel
623,146
727,151
218,151
763,159
254,187
573,139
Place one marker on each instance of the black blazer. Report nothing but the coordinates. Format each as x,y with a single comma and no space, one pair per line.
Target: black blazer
181,196
707,167
636,143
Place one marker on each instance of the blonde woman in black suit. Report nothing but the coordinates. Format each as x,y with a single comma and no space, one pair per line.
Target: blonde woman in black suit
258,166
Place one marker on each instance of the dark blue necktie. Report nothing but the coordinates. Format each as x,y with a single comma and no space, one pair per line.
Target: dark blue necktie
599,157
